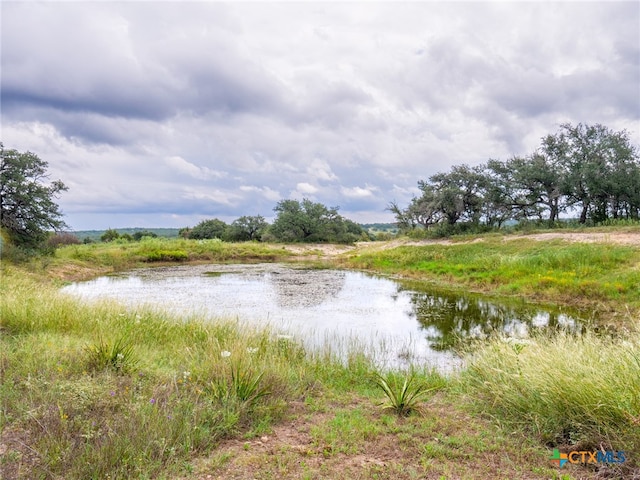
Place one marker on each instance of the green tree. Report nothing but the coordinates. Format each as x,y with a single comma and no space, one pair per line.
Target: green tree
247,228
307,221
599,165
213,228
499,193
28,211
535,186
110,235
450,197
139,235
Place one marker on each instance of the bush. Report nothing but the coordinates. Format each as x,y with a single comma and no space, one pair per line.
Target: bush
62,238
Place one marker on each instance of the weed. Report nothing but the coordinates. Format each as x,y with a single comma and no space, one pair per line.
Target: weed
403,393
117,356
242,385
565,390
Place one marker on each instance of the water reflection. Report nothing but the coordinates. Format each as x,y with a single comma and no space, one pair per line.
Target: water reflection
449,319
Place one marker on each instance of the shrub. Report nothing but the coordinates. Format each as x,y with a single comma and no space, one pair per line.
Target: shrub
62,238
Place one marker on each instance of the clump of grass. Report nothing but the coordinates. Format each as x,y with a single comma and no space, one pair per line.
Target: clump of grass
118,356
167,256
579,391
241,385
403,392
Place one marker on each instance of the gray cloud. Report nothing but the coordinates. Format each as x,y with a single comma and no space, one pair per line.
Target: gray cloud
167,113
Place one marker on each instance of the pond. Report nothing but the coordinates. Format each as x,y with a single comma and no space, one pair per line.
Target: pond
395,323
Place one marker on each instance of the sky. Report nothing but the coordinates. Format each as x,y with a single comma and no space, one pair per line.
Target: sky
164,114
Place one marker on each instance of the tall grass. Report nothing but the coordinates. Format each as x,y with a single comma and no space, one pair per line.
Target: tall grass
97,391
121,254
567,391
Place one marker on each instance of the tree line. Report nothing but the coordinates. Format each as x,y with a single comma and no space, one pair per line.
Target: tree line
296,221
30,218
586,171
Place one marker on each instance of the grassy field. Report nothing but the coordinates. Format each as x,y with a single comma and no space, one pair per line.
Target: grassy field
104,392
587,275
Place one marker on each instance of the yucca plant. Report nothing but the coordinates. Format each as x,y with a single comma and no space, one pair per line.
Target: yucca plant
403,394
118,356
243,386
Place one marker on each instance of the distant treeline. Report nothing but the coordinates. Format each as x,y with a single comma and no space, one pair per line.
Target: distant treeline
296,221
94,235
589,172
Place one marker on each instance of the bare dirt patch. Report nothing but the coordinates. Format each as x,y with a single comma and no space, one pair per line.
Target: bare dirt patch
621,238
442,443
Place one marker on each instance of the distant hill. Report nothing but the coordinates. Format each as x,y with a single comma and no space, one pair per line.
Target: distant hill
96,234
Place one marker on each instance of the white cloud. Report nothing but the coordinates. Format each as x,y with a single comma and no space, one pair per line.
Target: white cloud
265,192
306,188
179,164
320,169
210,109
359,192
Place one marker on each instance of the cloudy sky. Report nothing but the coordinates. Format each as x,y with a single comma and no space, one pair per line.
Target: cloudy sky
162,114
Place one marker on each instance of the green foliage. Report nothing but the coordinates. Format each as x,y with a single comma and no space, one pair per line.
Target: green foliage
588,168
247,228
110,235
118,356
565,390
167,256
241,385
27,207
403,393
307,221
208,229
140,234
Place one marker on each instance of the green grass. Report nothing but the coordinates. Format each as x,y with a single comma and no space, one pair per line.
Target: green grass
545,271
564,390
96,405
122,254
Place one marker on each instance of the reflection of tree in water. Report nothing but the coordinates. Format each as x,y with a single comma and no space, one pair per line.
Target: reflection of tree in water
449,319
306,288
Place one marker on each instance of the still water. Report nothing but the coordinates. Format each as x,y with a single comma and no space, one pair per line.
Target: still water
395,323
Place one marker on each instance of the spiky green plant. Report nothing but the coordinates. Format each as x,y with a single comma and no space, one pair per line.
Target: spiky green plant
403,393
242,385
118,356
